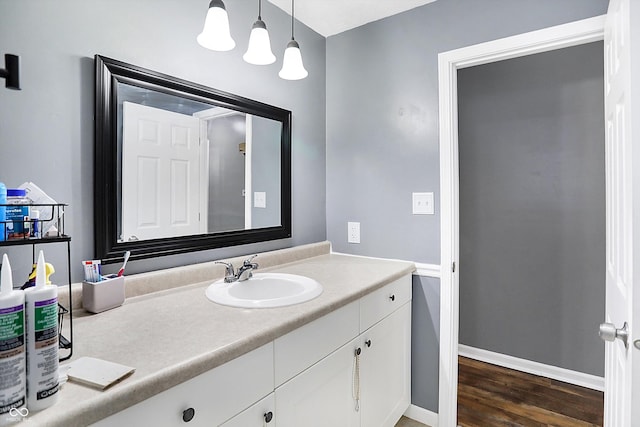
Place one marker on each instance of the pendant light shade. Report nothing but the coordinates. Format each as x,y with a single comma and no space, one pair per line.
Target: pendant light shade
292,66
216,35
259,50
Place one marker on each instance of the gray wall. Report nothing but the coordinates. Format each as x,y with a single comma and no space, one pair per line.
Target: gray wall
425,342
382,114
265,159
49,124
226,173
382,124
532,216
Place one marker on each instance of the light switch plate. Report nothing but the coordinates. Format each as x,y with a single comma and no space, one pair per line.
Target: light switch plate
423,204
259,199
353,232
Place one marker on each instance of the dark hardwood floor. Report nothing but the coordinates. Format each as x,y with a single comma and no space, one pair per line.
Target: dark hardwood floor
490,395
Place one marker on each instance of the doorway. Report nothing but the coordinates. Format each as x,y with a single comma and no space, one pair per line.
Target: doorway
572,34
532,212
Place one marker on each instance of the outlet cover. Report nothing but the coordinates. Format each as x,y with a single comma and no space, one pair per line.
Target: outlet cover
259,199
423,204
353,232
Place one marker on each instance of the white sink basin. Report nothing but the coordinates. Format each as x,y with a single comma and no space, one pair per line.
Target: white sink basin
265,290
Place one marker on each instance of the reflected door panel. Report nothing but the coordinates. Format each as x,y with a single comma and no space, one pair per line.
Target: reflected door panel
160,171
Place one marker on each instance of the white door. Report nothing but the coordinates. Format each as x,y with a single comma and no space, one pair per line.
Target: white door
160,173
385,370
622,385
322,395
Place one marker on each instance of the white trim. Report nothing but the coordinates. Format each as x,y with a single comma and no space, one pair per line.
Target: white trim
215,113
427,270
204,177
422,415
248,173
575,33
549,371
422,269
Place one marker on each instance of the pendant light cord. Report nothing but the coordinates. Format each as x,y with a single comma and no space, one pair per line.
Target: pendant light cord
292,14
260,10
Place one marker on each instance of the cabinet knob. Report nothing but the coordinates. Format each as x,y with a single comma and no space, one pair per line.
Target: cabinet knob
188,414
268,417
392,297
368,343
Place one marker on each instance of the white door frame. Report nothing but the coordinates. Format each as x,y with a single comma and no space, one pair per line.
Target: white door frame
572,34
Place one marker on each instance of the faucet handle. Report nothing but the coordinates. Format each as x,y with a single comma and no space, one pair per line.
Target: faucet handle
229,270
247,262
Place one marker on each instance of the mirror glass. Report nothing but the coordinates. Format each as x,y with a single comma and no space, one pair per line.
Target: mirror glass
183,167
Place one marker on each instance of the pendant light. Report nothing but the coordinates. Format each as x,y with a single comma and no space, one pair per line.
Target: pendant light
259,50
216,35
292,67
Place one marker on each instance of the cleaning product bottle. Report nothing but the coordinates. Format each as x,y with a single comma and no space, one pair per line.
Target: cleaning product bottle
3,211
17,213
36,228
42,341
13,382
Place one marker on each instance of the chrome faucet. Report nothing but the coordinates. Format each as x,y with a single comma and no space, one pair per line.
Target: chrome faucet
245,271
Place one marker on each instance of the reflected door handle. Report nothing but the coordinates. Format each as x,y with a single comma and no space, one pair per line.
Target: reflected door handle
608,332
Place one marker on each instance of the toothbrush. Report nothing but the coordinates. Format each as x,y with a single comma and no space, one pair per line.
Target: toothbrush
124,264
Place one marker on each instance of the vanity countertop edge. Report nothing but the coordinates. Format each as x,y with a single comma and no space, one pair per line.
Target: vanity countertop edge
167,349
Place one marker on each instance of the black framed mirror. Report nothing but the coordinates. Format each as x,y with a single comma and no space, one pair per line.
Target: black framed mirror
182,167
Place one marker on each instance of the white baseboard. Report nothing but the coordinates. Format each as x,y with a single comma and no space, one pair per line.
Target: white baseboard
422,415
561,374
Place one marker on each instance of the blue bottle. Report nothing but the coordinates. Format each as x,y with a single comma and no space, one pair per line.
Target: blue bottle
3,210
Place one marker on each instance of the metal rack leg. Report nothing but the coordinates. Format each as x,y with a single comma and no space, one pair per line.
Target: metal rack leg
70,303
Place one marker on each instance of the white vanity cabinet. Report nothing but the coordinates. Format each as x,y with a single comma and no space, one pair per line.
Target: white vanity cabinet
306,378
209,399
374,366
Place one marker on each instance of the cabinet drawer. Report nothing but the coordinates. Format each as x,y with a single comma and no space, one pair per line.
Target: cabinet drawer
299,349
384,301
215,396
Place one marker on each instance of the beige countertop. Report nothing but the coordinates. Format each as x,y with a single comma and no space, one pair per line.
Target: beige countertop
175,334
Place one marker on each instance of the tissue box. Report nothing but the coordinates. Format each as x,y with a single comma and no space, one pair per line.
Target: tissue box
104,295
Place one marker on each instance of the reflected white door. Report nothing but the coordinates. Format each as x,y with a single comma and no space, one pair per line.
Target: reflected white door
160,173
622,385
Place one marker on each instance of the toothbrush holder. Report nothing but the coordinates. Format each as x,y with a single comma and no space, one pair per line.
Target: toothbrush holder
104,295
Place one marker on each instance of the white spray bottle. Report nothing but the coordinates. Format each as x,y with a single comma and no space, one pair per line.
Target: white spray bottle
42,341
13,382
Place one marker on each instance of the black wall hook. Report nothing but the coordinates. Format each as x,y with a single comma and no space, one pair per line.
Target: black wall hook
12,72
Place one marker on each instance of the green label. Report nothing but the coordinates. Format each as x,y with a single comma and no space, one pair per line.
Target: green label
11,328
46,317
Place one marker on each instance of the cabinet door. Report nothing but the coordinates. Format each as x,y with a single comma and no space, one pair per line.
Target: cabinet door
322,395
385,369
262,414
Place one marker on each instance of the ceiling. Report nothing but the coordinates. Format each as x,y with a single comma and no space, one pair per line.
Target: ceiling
330,17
